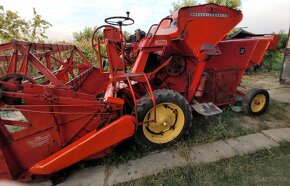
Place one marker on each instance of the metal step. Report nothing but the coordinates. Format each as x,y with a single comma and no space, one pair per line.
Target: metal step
206,109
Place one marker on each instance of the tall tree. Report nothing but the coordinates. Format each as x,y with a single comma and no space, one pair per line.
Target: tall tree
13,27
235,4
82,40
38,27
177,5
85,34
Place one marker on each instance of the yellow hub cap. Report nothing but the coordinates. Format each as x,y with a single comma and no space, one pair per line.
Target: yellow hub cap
169,123
258,103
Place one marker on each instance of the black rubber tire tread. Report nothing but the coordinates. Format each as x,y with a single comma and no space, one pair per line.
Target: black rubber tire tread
248,98
162,96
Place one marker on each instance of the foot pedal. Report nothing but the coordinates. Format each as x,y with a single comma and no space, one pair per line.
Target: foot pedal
206,109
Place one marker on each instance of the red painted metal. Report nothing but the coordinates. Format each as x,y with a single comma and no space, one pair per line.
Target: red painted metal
90,144
74,111
195,80
225,71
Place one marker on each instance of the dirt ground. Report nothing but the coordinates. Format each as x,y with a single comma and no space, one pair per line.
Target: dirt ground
270,82
279,95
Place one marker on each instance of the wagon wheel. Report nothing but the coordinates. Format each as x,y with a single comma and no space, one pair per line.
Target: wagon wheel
173,118
256,102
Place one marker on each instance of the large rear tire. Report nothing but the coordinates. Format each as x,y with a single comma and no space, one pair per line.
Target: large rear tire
173,118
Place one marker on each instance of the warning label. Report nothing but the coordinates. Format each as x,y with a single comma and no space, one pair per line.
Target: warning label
39,141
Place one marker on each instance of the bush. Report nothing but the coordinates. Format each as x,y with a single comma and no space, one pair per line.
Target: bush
273,60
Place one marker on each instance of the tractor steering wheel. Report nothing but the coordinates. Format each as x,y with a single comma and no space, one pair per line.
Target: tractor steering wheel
120,20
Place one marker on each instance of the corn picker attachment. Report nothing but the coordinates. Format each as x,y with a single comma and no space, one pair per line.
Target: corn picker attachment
70,110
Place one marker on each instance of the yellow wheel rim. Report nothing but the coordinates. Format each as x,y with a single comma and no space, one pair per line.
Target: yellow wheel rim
169,123
258,103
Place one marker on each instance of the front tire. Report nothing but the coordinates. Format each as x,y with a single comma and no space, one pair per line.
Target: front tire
256,102
173,118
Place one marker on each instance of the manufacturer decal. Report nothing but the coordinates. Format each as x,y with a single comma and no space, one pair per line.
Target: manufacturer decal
193,14
39,141
161,42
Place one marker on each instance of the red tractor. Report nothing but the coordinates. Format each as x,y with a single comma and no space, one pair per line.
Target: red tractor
72,111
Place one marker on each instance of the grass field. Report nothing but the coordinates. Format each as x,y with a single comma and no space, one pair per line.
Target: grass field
266,167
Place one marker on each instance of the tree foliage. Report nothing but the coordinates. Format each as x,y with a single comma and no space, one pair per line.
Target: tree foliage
82,40
177,5
282,40
13,27
38,27
85,34
273,59
235,4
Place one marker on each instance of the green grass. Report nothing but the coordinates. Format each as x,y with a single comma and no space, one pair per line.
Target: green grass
210,129
265,167
272,61
213,128
277,111
204,130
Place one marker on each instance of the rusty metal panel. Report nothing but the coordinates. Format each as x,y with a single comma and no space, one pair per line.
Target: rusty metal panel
285,73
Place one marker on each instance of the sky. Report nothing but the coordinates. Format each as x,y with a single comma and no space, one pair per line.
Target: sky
68,16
